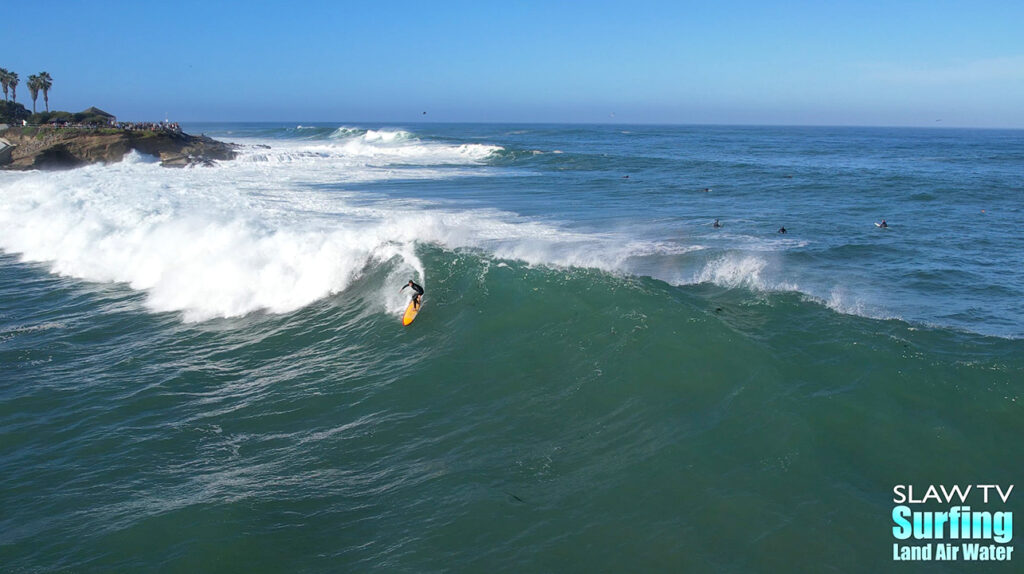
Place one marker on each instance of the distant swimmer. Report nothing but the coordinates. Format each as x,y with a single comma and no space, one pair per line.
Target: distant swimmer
417,295
716,224
707,190
883,224
625,177
782,229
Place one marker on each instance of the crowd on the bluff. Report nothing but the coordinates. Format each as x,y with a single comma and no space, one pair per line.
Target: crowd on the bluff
150,126
169,127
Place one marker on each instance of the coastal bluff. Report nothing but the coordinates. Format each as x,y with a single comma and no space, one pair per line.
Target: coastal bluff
47,147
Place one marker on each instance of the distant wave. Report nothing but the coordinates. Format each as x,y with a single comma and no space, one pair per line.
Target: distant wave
362,146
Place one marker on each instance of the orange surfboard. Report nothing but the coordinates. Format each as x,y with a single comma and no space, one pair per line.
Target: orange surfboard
410,312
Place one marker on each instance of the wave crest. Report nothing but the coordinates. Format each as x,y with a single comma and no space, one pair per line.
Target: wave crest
736,270
365,147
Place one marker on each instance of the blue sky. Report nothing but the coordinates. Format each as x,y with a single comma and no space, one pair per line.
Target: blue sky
835,63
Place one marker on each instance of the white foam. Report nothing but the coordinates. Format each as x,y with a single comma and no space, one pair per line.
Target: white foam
248,236
274,231
841,300
239,238
208,252
389,145
355,154
739,269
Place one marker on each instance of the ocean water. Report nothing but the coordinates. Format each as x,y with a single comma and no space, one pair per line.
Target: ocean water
205,369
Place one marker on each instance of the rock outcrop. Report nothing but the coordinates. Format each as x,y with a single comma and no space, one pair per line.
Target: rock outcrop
67,147
6,151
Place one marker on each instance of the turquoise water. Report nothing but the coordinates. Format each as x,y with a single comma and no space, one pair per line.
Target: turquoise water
205,370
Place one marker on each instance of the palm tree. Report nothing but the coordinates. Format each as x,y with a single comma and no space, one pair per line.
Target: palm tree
13,81
45,83
5,80
33,90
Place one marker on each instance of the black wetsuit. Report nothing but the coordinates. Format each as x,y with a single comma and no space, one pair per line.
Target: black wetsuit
419,292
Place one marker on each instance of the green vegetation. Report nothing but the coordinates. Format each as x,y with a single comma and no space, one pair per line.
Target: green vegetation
40,82
12,82
48,117
12,113
5,81
45,83
84,118
33,90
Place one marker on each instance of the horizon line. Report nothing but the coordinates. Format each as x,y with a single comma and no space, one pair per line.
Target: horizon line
584,123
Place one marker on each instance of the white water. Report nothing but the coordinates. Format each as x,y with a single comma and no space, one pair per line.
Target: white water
275,230
255,234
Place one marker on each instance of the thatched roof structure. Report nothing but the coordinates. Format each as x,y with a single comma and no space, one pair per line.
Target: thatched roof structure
94,111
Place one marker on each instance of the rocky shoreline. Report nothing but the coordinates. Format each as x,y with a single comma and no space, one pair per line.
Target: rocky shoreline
69,147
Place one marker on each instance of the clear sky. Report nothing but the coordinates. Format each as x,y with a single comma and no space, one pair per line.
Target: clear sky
932,63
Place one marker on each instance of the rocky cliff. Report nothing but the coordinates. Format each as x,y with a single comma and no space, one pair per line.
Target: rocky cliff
57,148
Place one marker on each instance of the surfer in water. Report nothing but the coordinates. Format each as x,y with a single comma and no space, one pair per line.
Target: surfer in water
716,224
782,229
883,224
417,293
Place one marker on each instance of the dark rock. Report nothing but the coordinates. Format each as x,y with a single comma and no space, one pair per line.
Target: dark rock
6,151
61,148
56,157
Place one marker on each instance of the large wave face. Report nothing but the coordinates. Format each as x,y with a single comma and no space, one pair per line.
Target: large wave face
247,236
307,209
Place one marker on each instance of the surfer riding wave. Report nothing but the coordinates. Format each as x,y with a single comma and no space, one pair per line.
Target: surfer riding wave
417,293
